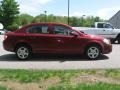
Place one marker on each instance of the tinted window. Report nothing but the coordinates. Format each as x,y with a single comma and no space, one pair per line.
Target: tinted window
108,26
38,29
100,25
61,30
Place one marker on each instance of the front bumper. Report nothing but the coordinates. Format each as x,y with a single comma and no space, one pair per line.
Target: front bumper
107,49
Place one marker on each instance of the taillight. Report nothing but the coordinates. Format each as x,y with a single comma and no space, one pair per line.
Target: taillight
5,36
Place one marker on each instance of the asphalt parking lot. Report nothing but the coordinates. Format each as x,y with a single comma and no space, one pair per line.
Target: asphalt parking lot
8,60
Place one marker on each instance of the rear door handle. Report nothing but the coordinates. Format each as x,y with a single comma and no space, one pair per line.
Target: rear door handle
60,41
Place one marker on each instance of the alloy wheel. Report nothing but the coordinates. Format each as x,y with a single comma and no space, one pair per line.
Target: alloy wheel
93,52
22,52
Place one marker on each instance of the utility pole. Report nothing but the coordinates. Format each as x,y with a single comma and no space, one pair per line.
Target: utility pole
83,19
68,12
45,16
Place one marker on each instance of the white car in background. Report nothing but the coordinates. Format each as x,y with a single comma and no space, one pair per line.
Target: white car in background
103,29
2,32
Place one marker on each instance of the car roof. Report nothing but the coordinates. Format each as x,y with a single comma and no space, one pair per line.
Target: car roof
53,23
42,23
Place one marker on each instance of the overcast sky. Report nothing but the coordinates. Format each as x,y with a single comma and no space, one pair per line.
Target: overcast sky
102,8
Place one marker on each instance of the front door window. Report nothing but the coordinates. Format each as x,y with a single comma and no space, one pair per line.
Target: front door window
61,30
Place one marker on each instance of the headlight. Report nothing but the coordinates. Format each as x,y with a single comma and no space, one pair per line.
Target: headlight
106,41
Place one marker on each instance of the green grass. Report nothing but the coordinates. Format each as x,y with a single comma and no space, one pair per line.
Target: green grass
26,76
113,73
2,88
65,76
97,86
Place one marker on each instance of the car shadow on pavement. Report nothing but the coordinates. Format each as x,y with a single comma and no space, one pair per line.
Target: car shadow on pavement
61,58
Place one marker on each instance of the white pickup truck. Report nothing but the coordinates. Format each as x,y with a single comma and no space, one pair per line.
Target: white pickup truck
103,29
2,30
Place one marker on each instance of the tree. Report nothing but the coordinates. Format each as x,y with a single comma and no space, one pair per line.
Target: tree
9,9
39,18
25,19
75,21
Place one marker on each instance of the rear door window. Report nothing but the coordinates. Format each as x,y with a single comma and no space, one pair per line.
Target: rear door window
40,29
100,25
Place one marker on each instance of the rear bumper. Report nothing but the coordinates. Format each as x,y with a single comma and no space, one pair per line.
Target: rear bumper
8,46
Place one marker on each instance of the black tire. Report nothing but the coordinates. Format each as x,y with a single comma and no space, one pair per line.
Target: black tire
95,54
23,52
118,39
112,41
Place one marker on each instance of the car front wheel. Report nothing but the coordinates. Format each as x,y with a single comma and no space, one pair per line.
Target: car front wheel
23,52
93,52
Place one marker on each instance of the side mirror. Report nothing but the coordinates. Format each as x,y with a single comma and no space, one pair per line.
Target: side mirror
73,33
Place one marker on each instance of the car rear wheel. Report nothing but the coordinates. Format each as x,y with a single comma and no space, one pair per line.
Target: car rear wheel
93,52
23,52
118,40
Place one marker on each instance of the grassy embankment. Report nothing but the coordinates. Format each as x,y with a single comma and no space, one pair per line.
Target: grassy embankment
60,80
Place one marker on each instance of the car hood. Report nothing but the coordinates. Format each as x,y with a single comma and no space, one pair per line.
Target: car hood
116,30
89,36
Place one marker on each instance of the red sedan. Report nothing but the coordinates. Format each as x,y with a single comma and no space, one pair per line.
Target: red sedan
56,39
